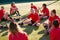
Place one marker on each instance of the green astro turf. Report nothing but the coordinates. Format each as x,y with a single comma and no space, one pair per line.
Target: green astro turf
34,33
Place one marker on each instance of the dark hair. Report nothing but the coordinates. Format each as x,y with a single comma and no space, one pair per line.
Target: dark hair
2,6
44,5
13,28
31,3
12,3
54,11
56,23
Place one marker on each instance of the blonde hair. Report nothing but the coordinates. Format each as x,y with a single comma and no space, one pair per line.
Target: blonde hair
14,28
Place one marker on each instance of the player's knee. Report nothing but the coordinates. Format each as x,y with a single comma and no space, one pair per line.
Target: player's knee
38,24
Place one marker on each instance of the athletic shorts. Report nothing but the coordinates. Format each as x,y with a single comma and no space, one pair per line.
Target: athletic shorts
43,18
46,27
32,22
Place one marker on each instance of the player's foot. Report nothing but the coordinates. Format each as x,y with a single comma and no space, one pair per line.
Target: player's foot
20,23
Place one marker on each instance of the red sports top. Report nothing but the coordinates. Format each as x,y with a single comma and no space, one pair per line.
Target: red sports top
46,10
18,36
1,13
55,34
51,19
35,17
34,7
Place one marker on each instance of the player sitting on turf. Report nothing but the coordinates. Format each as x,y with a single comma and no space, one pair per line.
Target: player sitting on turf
15,32
33,19
51,19
4,15
33,7
55,32
14,10
45,12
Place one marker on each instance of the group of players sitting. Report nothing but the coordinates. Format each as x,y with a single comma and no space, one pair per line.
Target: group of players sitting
34,18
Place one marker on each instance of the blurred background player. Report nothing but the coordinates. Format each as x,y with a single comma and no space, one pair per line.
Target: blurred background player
34,7
4,16
44,12
14,10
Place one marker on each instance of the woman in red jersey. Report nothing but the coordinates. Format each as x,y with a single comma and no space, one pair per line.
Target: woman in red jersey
55,32
33,18
45,12
51,19
15,33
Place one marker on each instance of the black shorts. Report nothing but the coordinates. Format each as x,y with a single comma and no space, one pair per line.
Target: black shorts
32,22
46,27
43,18
3,19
